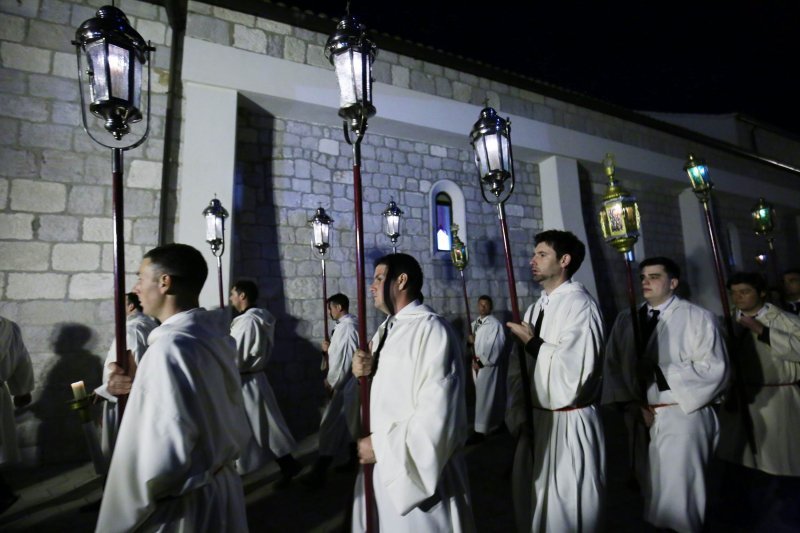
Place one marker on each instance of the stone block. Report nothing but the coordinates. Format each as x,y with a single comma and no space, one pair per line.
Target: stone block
153,31
273,27
139,202
26,256
209,29
87,200
315,56
80,257
329,146
23,9
24,107
48,35
145,174
145,231
38,196
57,228
11,28
251,39
48,313
30,286
438,151
294,50
64,167
55,11
93,286
17,226
133,257
233,16
67,113
45,136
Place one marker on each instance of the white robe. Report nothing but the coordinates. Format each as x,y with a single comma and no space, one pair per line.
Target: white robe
690,350
339,424
16,379
563,490
771,372
490,340
137,328
184,425
419,425
254,332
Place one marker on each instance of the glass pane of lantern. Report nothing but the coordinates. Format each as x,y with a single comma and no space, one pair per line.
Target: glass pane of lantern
213,228
320,234
137,84
490,153
96,59
118,63
349,71
392,223
616,220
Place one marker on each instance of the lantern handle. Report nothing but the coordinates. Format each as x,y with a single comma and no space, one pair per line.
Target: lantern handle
146,133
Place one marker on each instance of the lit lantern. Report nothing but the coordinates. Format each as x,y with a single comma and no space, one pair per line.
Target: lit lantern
320,232
763,214
391,223
619,217
491,142
698,175
458,251
215,216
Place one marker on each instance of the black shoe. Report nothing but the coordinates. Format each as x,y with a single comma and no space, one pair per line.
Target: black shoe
475,438
7,502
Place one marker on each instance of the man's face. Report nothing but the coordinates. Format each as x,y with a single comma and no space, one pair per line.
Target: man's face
657,286
150,289
791,286
238,300
335,311
545,265
484,307
746,298
376,288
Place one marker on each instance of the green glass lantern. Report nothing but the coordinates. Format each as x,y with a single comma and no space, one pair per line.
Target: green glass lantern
458,251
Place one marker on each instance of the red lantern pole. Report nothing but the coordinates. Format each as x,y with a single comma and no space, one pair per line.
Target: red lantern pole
325,311
118,218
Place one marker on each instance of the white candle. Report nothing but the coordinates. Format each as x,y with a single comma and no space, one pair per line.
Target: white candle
78,390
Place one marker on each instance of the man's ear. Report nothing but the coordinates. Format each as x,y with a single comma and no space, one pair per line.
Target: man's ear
565,260
402,281
673,283
165,283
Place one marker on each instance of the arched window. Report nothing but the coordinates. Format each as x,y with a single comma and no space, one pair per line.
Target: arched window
444,220
446,203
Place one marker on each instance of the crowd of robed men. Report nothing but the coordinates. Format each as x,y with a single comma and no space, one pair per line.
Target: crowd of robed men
200,410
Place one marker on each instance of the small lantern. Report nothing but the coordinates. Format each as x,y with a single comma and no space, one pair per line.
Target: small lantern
619,217
320,231
698,175
351,53
763,214
491,142
114,54
458,252
391,222
215,226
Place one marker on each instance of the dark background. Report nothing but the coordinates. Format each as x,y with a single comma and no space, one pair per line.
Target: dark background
703,57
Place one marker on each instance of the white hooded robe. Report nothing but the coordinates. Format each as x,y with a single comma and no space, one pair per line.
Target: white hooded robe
490,340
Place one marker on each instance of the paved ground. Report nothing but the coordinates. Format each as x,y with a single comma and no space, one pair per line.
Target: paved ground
52,497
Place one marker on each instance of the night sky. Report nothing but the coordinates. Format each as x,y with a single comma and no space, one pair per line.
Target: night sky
648,56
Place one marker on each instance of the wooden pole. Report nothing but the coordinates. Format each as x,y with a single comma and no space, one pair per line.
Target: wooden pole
219,282
325,311
118,218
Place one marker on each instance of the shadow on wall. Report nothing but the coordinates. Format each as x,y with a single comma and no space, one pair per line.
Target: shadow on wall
60,437
293,370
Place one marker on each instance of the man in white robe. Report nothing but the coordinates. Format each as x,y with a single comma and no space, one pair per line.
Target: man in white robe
184,423
683,367
16,379
559,484
137,328
767,346
254,332
338,428
417,411
791,290
488,340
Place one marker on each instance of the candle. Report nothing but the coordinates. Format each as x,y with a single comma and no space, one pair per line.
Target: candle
78,390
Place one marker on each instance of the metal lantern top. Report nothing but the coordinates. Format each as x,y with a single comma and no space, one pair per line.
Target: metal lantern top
491,141
351,53
619,217
458,250
215,216
391,221
114,54
763,214
698,175
320,231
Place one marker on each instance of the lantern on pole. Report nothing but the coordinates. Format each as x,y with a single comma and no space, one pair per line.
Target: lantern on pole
491,142
215,216
620,222
460,258
392,216
351,53
763,215
111,57
320,243
702,186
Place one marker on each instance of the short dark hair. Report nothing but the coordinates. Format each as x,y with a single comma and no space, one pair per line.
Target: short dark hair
397,264
795,270
133,300
670,267
754,279
248,288
564,242
183,263
341,300
487,298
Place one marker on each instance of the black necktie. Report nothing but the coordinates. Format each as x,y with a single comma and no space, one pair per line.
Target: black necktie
649,326
538,327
